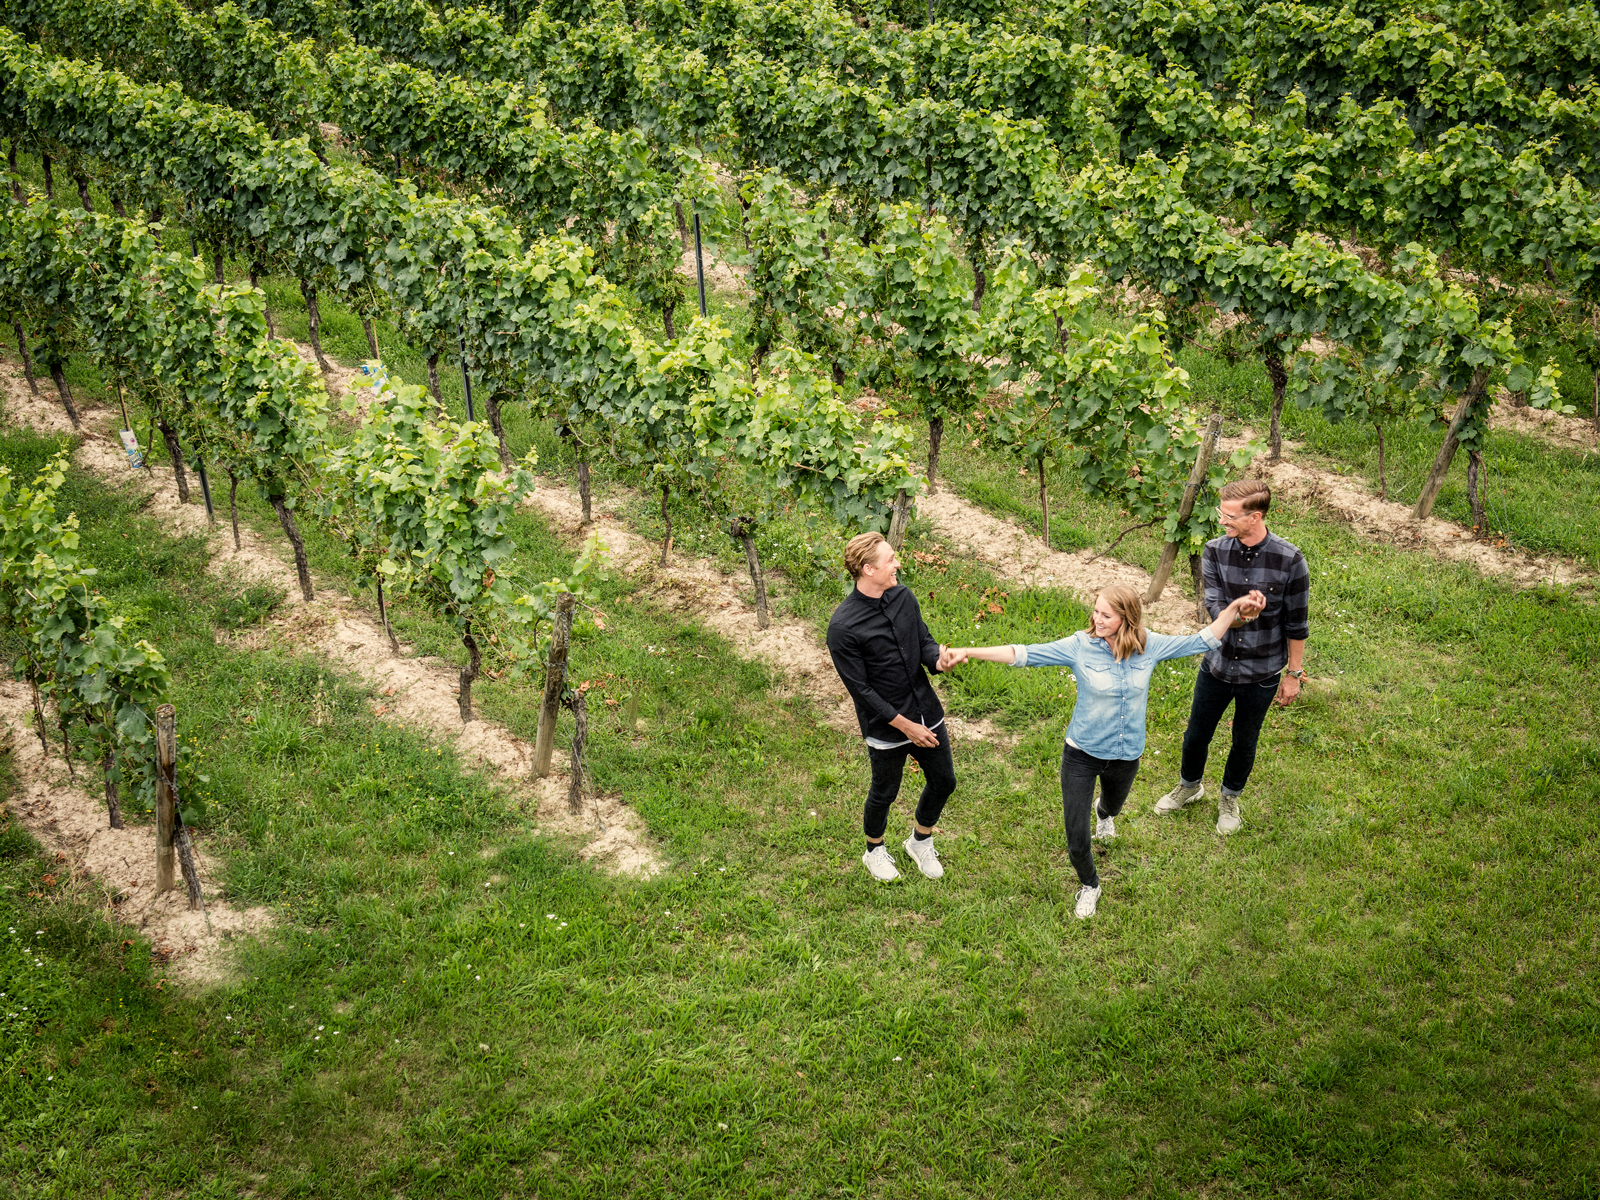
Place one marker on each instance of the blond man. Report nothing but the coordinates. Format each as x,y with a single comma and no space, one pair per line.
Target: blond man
883,652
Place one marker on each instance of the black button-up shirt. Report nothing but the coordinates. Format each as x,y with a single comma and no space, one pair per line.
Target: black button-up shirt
882,650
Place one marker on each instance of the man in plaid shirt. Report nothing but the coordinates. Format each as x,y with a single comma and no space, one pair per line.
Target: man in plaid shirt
1261,658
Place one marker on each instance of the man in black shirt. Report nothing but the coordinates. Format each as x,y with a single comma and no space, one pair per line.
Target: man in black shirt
883,651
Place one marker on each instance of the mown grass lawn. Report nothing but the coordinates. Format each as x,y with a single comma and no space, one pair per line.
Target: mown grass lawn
1383,985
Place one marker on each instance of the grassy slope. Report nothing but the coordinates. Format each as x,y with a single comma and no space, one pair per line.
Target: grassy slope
1354,996
1383,986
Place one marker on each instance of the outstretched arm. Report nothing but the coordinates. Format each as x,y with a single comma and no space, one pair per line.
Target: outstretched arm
954,656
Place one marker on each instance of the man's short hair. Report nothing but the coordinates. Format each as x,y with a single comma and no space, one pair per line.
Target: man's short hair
1253,495
860,551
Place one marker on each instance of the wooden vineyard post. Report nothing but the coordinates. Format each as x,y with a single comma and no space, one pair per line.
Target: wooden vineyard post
897,523
555,685
166,809
1191,491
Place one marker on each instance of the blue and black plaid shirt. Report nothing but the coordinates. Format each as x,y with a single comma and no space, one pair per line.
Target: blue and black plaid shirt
1260,649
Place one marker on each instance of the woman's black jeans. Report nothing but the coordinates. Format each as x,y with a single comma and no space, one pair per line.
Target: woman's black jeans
938,773
1211,699
1079,771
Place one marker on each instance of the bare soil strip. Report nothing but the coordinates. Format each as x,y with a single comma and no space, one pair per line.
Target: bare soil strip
1016,554
1350,499
721,275
1563,432
71,824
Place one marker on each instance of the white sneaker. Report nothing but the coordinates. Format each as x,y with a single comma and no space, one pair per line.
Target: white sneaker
1105,828
1180,797
1228,819
925,856
1088,897
879,864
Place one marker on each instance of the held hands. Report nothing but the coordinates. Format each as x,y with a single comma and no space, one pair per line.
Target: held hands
1249,606
949,657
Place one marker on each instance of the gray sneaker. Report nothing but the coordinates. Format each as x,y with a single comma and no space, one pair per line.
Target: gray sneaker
880,865
925,856
1105,828
1228,819
1088,899
1180,797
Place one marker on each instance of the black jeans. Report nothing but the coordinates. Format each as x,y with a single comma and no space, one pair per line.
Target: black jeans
1078,774
939,780
1211,699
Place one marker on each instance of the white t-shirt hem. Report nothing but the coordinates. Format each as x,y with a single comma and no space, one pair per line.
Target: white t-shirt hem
877,745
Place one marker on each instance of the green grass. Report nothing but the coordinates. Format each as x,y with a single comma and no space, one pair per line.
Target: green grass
1378,988
1382,986
1539,497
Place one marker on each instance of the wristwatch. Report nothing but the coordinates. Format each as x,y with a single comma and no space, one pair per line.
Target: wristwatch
1294,674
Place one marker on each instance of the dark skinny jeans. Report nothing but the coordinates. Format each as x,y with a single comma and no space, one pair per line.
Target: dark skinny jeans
939,780
1079,772
1211,699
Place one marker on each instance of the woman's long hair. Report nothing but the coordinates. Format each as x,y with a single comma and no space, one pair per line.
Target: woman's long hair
1125,602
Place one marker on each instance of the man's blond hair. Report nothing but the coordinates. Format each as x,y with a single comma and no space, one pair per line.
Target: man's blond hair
860,551
1253,495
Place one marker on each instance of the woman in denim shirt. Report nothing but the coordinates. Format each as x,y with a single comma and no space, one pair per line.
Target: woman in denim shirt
1113,661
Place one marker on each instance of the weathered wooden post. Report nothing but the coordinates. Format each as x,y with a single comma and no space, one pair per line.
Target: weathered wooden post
1191,490
555,685
166,809
897,523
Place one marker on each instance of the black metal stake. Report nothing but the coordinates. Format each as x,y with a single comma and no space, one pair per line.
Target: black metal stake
205,488
699,265
466,375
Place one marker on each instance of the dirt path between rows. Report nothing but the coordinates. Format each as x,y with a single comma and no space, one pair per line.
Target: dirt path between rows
1015,554
1350,498
1554,429
71,825
70,822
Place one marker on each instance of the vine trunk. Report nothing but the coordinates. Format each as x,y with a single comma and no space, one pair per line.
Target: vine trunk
469,673
292,531
935,436
169,435
314,324
66,394
1452,440
1279,376
108,768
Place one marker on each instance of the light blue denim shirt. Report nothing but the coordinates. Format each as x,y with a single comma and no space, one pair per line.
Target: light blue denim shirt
1108,718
